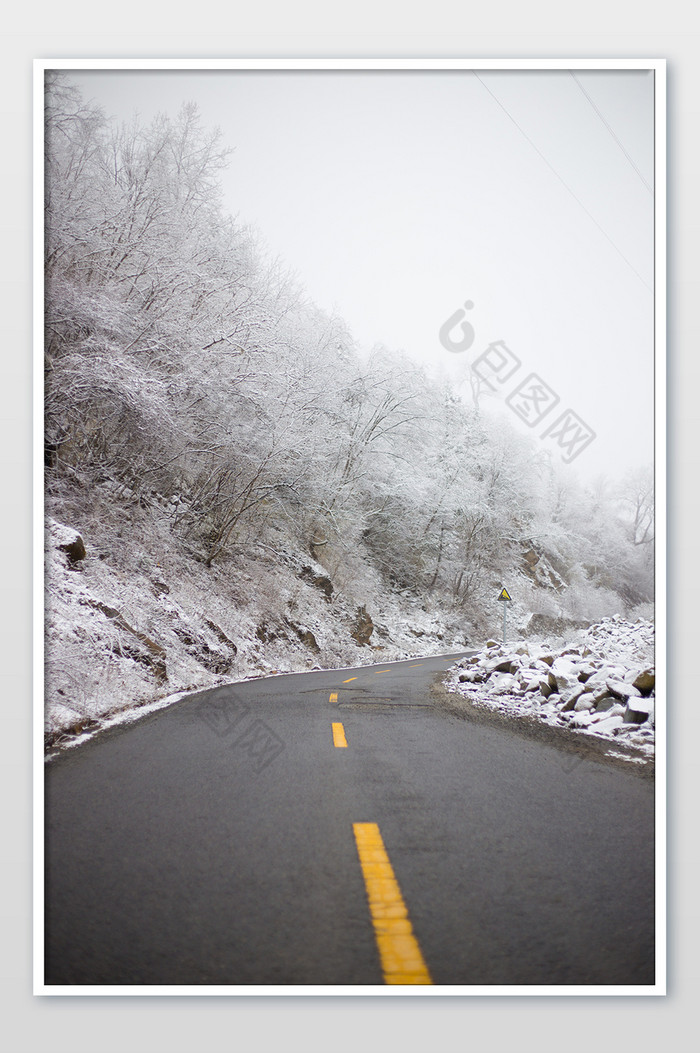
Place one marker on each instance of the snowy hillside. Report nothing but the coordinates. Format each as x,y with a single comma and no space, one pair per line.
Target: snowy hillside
160,624
233,487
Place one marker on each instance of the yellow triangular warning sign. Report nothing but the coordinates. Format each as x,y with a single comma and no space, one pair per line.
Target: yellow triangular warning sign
504,595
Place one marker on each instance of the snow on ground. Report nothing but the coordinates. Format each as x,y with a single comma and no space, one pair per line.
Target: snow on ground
600,683
127,716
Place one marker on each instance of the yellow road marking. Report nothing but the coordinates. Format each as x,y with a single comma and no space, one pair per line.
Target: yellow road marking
339,735
334,697
378,671
415,664
351,678
400,955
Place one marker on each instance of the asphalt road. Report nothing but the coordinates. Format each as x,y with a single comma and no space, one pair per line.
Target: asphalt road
212,843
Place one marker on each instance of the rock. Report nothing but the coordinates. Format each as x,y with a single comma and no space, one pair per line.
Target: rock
67,540
363,627
607,702
304,634
199,649
545,688
563,667
532,684
585,672
503,684
220,635
616,710
548,659
645,681
598,690
309,640
564,673
472,676
523,649
544,625
530,559
639,710
608,726
319,581
573,693
146,650
491,643
604,672
502,665
621,690
572,698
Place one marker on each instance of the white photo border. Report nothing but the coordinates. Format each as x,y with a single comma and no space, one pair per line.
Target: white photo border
658,68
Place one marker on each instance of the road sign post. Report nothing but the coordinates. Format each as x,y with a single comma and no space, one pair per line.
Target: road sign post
504,598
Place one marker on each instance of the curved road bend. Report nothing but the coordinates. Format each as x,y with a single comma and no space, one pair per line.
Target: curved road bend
237,837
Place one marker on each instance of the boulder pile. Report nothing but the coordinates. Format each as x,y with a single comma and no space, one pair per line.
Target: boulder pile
603,684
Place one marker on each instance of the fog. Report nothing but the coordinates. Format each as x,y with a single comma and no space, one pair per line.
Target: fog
397,197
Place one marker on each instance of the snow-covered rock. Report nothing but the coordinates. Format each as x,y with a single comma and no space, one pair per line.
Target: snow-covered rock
503,683
67,540
621,689
645,681
603,684
606,703
503,665
639,710
607,726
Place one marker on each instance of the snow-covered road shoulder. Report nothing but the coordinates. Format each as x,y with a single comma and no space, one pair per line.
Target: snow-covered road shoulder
601,683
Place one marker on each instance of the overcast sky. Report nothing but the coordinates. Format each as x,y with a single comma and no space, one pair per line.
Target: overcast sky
398,196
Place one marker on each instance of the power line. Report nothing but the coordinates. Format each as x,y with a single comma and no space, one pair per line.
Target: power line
612,132
563,182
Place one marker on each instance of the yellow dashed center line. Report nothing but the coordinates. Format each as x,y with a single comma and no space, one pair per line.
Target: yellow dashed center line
339,735
378,671
351,678
334,697
400,955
